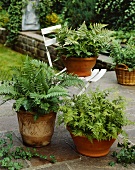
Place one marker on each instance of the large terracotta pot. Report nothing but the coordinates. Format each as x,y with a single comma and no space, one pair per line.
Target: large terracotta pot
36,133
92,149
80,66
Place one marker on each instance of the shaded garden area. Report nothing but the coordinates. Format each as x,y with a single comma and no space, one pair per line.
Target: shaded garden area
72,13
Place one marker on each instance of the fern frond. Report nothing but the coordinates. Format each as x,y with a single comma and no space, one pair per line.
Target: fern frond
7,90
70,80
56,91
97,27
19,103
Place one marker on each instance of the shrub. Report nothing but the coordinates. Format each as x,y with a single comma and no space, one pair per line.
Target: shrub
106,11
123,36
5,4
58,6
52,19
3,16
15,19
78,11
43,8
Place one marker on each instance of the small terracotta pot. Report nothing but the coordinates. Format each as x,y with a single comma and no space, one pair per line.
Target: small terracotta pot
79,66
36,133
95,149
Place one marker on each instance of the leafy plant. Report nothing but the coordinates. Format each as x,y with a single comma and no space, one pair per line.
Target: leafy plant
124,55
78,11
3,16
35,87
15,20
123,36
58,6
52,19
43,9
10,155
5,4
106,13
83,42
126,155
96,115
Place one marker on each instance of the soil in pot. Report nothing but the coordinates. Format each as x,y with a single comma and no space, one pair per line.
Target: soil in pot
80,66
36,133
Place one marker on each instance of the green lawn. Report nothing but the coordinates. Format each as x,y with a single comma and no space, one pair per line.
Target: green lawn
9,58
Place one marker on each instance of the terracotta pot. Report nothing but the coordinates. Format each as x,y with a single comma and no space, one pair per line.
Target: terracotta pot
36,133
95,149
80,66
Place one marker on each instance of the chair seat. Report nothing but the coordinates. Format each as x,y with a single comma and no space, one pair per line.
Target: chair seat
96,75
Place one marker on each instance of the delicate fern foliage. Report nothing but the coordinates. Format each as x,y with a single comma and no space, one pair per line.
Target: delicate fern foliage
66,80
124,55
83,42
36,88
96,115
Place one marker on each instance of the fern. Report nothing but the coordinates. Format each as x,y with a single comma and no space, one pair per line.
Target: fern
123,55
97,115
97,28
36,88
70,80
83,42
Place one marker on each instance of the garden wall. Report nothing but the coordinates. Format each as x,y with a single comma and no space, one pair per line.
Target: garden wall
31,43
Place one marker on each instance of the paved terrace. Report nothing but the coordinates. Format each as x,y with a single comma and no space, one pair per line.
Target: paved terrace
62,145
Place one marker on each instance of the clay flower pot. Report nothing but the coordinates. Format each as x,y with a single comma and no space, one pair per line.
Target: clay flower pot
36,133
92,149
80,66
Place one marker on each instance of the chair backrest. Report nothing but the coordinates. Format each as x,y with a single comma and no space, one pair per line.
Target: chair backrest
49,41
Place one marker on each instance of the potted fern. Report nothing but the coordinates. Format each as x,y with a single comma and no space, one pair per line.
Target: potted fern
36,92
79,48
94,121
124,61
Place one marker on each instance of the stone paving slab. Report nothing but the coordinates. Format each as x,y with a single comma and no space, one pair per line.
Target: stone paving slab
61,147
8,123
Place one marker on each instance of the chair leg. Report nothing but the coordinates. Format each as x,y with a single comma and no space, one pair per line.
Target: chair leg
84,89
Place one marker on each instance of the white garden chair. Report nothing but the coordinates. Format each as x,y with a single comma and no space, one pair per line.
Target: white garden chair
96,73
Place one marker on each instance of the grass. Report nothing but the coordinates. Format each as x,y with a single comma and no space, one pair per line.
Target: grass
8,59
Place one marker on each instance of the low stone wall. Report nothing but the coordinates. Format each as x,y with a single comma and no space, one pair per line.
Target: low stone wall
32,44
